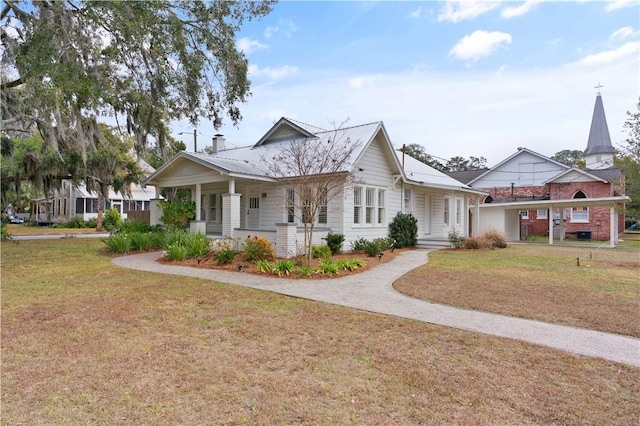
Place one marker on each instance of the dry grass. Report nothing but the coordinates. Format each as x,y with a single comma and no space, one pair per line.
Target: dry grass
537,282
15,229
85,342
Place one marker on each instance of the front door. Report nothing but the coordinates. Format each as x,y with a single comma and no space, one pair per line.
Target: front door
253,213
427,215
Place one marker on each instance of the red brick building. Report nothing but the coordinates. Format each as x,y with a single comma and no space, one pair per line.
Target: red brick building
530,194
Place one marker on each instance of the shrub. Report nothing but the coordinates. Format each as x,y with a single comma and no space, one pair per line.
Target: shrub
334,241
257,248
404,230
350,264
225,256
197,245
384,243
139,240
495,239
112,219
75,222
118,243
328,267
177,213
456,239
304,270
283,267
129,226
474,243
4,234
158,239
371,248
359,244
321,251
176,252
176,237
91,223
264,266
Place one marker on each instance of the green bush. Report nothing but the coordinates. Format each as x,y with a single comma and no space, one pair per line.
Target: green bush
264,266
129,226
158,239
75,222
139,240
359,244
371,248
257,248
225,256
328,267
283,267
321,251
197,245
404,230
176,237
176,252
334,241
118,243
350,264
112,220
456,239
91,223
177,213
304,270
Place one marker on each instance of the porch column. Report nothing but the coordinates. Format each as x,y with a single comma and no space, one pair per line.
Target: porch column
613,227
561,233
550,218
155,211
198,200
476,218
230,213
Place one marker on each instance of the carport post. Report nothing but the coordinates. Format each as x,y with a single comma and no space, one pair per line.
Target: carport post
550,218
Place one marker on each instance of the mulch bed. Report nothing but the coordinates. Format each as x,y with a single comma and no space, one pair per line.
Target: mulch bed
209,262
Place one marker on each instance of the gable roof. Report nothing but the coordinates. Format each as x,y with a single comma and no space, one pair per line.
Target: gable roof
466,176
286,129
599,139
520,151
578,172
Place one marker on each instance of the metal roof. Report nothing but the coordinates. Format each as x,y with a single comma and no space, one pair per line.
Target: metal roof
599,139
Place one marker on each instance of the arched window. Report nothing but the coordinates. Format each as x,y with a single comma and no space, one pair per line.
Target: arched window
580,214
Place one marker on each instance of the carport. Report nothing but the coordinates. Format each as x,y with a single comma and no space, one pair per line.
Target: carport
505,216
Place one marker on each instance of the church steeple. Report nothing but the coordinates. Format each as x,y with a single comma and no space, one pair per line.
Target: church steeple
599,152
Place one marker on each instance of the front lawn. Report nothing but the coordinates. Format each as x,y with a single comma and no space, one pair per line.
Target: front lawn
86,342
538,282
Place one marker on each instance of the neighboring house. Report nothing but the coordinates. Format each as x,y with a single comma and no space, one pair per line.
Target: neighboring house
530,194
69,202
235,197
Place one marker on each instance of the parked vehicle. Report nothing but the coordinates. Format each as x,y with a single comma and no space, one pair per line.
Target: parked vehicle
14,219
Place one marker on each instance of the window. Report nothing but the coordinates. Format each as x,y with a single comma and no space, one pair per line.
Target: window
291,205
322,214
542,214
580,214
203,207
458,211
407,200
79,205
213,207
524,214
357,204
369,212
447,211
306,211
381,206
64,209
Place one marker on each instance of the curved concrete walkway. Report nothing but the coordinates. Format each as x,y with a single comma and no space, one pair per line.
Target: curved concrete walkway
372,291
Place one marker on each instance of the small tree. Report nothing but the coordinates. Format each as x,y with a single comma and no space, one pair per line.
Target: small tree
314,171
629,160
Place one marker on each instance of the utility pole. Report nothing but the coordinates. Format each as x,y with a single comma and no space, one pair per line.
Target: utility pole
195,139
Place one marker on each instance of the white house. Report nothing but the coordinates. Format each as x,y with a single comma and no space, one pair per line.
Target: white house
236,197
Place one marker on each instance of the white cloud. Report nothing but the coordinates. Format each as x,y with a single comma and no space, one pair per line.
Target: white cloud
630,49
277,73
619,4
420,12
361,82
514,11
247,45
459,10
479,43
285,27
623,34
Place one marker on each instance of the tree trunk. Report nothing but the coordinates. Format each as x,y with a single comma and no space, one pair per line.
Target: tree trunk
100,211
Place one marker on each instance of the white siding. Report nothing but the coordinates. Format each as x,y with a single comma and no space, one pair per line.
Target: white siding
524,169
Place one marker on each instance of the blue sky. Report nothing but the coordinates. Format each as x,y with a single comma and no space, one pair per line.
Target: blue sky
469,78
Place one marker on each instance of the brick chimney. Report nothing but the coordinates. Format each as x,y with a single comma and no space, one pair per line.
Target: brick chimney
218,143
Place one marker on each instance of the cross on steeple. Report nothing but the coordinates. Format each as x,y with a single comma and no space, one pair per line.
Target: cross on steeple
598,87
